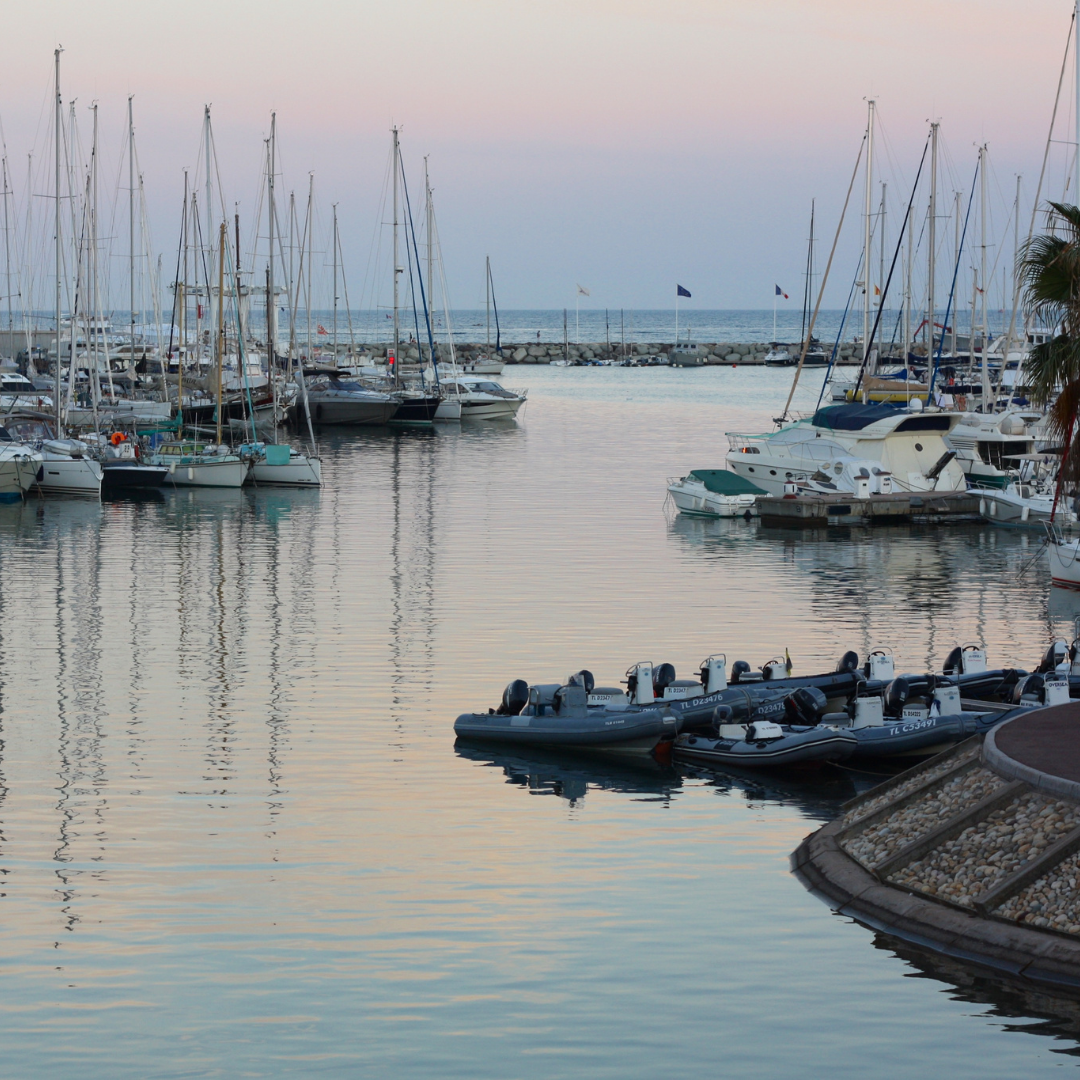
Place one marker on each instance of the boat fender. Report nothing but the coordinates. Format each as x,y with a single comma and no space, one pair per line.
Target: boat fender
738,670
806,706
848,662
584,677
515,698
663,677
1029,690
764,730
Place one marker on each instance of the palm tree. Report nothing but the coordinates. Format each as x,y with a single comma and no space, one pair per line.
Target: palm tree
1049,270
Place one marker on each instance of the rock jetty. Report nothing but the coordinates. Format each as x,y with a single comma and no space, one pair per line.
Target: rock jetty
974,854
717,353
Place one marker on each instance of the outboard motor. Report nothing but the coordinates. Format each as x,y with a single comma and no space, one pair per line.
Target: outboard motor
848,662
663,677
515,698
714,674
584,677
896,696
1056,655
953,663
805,707
738,670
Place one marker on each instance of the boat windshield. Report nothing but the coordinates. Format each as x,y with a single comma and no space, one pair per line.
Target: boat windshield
28,430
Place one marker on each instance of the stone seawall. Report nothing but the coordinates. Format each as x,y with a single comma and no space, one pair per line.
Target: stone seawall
717,353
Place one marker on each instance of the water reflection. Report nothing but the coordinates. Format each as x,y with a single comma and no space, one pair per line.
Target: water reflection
1050,1013
571,776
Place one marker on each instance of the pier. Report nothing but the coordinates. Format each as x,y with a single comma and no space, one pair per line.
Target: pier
974,854
821,510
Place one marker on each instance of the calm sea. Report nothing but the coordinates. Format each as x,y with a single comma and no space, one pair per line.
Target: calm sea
237,839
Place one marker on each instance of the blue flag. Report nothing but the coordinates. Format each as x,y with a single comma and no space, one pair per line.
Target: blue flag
682,291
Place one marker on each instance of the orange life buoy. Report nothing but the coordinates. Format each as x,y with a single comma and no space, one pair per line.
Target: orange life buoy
117,438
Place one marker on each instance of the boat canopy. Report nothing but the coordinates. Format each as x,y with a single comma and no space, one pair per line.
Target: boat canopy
724,482
851,417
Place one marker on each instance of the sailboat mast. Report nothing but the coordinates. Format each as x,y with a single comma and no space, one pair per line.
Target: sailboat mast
1076,110
209,219
956,262
429,230
982,274
397,329
866,229
881,245
271,301
7,255
487,293
59,254
809,272
182,353
221,323
308,228
131,222
931,233
335,284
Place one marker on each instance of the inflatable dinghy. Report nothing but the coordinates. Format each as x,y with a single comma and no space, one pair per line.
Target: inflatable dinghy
560,715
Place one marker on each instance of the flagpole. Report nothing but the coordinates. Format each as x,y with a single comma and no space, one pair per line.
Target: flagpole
577,314
676,315
774,315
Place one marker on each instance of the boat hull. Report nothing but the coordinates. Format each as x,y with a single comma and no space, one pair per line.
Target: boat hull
17,476
1064,563
498,409
625,732
70,476
130,476
695,500
223,474
301,471
352,413
817,746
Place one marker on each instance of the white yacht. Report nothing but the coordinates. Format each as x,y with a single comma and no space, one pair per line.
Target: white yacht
19,466
68,466
480,398
909,445
281,465
988,444
18,392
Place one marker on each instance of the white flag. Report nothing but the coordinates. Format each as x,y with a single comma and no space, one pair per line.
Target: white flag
581,289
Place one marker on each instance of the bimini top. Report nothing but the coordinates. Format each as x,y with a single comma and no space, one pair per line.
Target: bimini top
723,482
858,417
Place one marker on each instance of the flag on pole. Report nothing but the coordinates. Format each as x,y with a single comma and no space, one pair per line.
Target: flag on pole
680,291
322,329
780,292
877,291
583,291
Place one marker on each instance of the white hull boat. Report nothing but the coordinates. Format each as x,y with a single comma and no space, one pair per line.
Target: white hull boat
714,493
18,471
62,474
1064,557
194,464
480,398
282,465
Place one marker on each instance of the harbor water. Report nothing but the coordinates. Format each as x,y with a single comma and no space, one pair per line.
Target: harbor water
237,838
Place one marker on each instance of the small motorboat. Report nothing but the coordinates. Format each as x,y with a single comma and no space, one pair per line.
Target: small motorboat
714,493
571,714
800,739
759,695
1064,557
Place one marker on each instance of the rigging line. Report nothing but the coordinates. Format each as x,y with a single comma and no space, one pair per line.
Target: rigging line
952,291
892,267
423,299
1035,210
825,279
840,332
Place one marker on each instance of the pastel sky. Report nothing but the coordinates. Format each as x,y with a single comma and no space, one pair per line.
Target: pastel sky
624,144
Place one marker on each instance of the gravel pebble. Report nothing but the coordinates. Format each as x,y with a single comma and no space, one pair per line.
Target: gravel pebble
877,842
962,869
856,813
1052,900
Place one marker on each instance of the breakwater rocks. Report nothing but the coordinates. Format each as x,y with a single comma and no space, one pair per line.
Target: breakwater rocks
974,854
717,353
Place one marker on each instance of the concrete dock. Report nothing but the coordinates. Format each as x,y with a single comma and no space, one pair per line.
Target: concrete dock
974,854
820,510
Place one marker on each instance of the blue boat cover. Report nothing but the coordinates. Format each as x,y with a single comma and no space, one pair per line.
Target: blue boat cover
851,417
